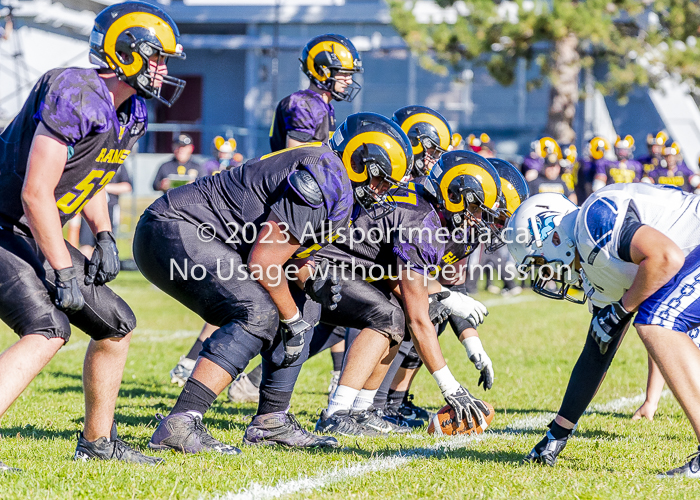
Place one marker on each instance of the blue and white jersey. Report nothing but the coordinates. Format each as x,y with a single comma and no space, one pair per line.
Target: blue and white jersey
599,232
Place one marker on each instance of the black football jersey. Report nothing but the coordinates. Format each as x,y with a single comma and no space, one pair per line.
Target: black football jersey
75,105
233,205
407,237
303,116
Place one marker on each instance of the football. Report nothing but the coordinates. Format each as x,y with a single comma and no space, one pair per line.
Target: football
443,423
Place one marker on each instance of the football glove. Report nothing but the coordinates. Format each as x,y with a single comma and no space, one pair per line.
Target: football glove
323,288
481,360
438,311
293,332
548,449
465,307
104,263
607,325
464,405
69,298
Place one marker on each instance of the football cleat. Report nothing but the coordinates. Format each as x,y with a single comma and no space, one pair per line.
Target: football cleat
691,469
343,423
412,411
284,429
374,419
185,432
182,371
6,468
397,427
547,450
394,416
242,390
111,449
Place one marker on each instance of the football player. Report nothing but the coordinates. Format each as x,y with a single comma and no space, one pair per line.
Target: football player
394,394
533,165
598,147
622,171
72,134
330,61
671,172
655,145
194,244
461,185
634,248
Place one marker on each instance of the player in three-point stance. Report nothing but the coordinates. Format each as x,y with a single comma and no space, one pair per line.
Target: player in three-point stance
259,214
75,130
634,249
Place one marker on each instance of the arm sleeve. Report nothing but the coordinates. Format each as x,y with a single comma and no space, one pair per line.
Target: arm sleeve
303,222
586,377
300,122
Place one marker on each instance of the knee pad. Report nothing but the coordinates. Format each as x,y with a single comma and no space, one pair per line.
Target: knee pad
231,347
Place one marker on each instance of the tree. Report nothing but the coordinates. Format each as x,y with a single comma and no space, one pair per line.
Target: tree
639,42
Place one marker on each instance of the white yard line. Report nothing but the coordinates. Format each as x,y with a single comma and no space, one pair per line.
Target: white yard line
537,422
256,491
145,335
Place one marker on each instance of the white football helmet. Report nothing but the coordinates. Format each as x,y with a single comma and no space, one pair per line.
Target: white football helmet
540,237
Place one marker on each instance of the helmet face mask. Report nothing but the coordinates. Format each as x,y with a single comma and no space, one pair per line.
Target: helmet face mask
467,188
542,243
377,156
135,39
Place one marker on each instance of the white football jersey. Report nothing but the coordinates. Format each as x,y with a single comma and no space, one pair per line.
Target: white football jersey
600,221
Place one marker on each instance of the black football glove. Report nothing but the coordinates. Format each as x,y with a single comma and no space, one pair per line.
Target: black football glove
548,449
438,311
464,405
323,288
104,263
293,333
607,325
69,298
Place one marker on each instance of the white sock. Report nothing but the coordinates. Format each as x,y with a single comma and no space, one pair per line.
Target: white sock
342,399
364,399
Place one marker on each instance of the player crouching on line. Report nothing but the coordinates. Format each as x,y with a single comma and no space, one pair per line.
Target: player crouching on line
635,249
69,139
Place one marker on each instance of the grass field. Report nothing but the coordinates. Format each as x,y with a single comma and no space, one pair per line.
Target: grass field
533,343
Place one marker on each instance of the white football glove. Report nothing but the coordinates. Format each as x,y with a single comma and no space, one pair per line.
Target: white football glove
465,307
481,360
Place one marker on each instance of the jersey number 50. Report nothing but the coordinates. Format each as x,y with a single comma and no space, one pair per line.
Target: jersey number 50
73,203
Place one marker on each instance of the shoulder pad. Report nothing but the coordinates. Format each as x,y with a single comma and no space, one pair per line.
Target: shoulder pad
304,184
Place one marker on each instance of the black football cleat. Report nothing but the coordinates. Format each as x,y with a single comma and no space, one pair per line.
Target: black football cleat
343,423
690,470
394,416
185,432
547,450
414,412
111,449
284,429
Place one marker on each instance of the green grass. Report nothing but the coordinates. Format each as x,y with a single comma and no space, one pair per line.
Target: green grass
533,343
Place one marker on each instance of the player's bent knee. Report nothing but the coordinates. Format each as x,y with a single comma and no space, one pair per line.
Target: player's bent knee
389,320
52,325
231,348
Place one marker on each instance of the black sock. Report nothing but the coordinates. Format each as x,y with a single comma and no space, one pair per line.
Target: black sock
337,360
395,398
255,375
195,396
558,431
194,352
272,401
